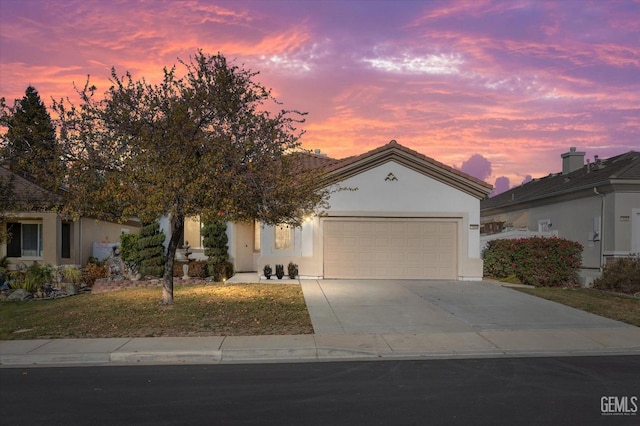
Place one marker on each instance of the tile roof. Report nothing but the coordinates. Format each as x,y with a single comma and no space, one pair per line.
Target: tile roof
338,170
621,167
334,165
27,193
313,161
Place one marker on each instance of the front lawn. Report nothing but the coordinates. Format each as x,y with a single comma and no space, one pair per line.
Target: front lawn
199,310
619,308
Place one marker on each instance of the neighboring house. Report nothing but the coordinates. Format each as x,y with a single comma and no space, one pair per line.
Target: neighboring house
409,217
38,233
596,204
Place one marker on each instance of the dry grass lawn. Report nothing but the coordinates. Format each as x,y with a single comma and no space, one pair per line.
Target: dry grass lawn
617,307
199,310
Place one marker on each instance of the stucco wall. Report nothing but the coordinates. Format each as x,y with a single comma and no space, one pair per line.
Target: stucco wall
96,231
388,190
82,236
623,206
574,220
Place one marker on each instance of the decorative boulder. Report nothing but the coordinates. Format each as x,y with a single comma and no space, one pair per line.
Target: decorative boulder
19,295
70,289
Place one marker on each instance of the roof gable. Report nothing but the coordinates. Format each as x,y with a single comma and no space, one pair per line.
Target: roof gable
339,170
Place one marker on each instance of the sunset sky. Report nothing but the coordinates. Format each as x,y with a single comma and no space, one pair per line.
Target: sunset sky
498,89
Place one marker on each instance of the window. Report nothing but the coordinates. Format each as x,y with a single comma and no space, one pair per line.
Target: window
192,232
65,249
283,237
25,240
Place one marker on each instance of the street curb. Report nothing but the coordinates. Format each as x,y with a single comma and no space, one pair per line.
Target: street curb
276,356
166,357
20,360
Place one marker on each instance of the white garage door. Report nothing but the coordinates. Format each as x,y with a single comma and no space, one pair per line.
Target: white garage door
390,248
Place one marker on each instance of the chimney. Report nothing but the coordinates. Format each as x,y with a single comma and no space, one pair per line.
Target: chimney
572,160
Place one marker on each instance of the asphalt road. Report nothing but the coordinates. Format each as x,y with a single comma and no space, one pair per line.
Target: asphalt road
522,391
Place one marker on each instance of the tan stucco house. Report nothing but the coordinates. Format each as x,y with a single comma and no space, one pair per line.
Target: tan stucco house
40,234
595,203
409,217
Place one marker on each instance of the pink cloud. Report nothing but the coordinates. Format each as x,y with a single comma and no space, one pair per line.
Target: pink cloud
515,83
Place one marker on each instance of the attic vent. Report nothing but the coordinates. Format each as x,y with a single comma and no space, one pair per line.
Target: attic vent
391,177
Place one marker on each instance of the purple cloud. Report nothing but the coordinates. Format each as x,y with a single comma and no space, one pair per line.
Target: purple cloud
477,166
502,184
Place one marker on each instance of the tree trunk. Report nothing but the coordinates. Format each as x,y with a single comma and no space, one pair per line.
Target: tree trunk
176,236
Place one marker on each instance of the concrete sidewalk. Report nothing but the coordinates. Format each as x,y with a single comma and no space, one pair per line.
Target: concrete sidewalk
260,349
360,320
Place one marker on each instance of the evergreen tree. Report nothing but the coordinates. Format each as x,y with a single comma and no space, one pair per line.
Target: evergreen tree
216,249
30,143
215,242
130,251
151,254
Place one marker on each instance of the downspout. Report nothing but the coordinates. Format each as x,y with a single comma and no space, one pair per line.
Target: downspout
602,212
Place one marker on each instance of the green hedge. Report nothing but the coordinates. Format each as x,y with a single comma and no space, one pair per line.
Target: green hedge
535,261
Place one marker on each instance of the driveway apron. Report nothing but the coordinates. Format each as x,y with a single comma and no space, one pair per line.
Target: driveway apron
419,307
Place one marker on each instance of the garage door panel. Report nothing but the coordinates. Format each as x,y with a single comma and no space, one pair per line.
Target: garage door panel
390,248
414,243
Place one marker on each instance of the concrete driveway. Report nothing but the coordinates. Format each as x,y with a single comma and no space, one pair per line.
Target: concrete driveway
424,307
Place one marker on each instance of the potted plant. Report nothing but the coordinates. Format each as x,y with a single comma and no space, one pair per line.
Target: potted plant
292,270
279,271
267,271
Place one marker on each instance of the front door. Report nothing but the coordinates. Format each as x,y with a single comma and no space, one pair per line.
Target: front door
244,247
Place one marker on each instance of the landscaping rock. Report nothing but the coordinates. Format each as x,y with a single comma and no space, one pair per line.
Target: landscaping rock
70,289
19,295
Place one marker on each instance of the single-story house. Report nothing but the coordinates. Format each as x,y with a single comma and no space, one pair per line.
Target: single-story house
38,233
408,217
596,204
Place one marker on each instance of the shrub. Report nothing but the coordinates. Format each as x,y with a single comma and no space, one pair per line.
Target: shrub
130,251
535,261
4,268
622,275
222,271
32,279
151,252
279,271
216,249
94,261
177,269
267,271
292,270
93,271
37,276
215,241
71,274
198,268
